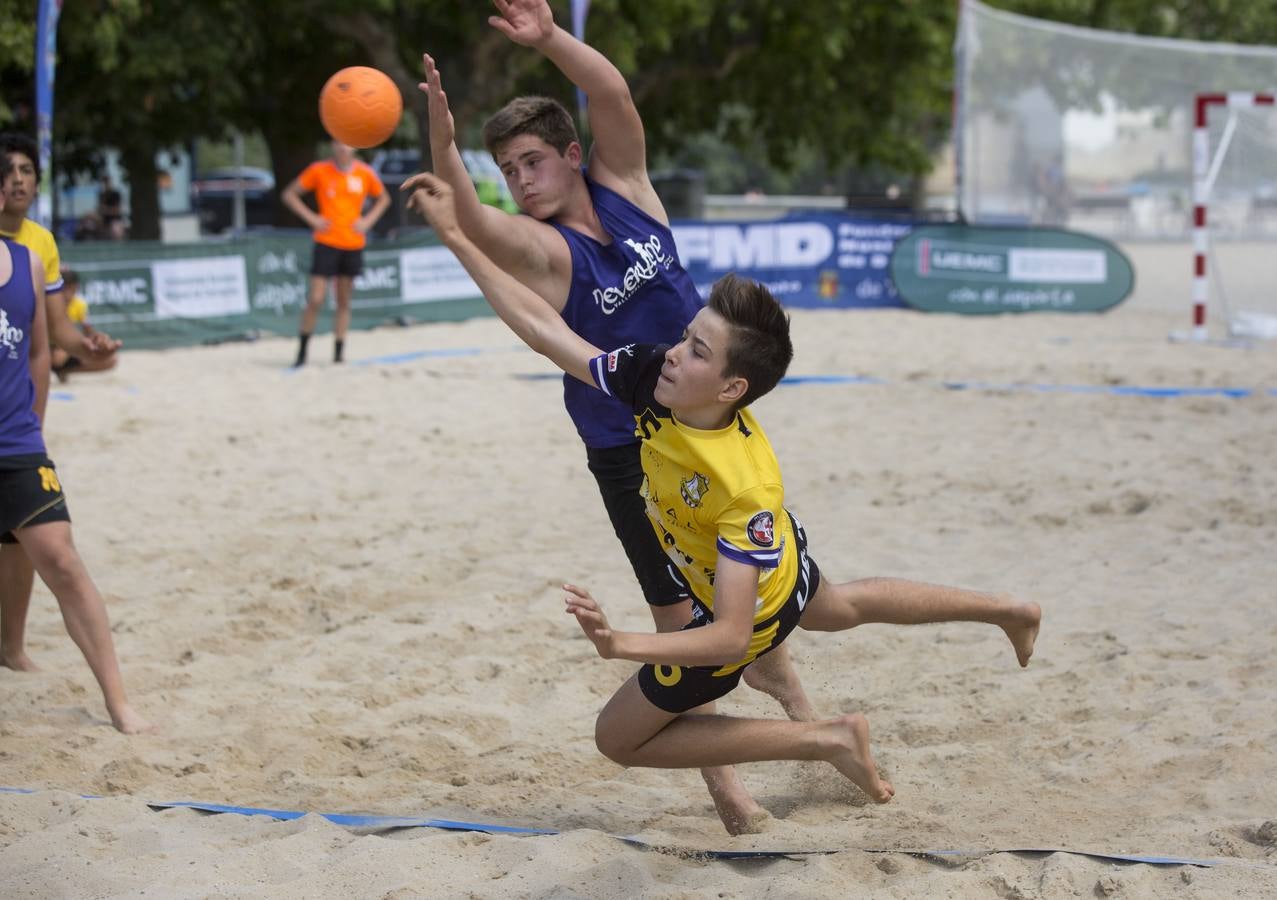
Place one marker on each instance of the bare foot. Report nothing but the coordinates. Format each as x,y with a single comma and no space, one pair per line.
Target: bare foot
1021,626
18,661
752,819
127,721
738,811
850,755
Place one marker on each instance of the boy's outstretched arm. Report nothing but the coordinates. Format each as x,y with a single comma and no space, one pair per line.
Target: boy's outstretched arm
536,323
724,641
619,149
499,235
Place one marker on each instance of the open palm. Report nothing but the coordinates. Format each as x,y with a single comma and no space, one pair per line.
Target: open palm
526,22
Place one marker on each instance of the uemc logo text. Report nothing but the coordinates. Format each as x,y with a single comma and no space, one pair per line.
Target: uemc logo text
117,291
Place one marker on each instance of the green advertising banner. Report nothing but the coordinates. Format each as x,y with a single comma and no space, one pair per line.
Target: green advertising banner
979,270
154,295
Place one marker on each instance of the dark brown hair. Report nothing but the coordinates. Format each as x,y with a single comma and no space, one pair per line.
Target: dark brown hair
537,116
17,142
759,349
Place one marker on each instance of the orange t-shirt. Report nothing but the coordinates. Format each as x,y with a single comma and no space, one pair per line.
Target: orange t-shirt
341,200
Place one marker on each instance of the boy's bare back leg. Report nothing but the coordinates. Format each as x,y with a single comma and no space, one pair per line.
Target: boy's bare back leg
898,601
736,807
16,579
55,558
774,674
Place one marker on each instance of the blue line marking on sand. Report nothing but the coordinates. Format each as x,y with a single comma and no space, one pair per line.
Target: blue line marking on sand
439,353
394,822
1124,390
831,379
396,358
1121,390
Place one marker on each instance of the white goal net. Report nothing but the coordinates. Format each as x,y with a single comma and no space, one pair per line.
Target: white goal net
1235,213
1095,131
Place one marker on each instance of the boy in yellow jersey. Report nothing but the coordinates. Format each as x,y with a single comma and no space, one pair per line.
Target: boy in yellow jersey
595,242
340,185
20,188
61,362
715,496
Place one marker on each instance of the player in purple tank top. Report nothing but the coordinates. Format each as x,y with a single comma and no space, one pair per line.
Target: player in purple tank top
33,509
599,250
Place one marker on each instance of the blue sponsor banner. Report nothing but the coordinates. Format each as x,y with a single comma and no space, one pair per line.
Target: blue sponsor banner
817,260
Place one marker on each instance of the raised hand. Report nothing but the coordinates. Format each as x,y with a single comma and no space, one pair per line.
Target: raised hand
591,619
526,22
442,129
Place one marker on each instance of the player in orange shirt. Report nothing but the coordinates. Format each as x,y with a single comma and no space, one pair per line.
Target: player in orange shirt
340,185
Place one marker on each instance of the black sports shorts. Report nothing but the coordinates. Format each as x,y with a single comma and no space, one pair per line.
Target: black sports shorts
330,261
676,689
619,473
30,494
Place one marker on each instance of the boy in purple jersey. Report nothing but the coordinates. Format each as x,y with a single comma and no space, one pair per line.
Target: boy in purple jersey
33,510
690,401
17,577
598,248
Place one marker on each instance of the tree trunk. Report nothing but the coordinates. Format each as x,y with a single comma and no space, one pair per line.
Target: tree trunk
138,159
291,151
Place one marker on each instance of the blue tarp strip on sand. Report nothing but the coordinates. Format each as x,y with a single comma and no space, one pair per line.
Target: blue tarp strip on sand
395,822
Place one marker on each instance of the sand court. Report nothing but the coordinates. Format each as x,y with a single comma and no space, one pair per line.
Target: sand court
336,590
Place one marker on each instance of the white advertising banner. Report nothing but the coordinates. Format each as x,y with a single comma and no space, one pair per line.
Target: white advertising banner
200,288
433,273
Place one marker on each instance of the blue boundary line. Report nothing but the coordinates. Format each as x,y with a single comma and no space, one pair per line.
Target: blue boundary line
395,822
413,355
1121,390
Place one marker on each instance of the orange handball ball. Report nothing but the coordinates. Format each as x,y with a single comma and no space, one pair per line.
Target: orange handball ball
360,106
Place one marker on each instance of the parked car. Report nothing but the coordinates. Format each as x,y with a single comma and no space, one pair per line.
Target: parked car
213,197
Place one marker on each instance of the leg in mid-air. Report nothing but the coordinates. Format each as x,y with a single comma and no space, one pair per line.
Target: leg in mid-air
898,601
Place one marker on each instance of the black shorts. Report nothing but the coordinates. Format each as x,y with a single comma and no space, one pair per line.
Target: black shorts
329,261
619,473
30,494
676,689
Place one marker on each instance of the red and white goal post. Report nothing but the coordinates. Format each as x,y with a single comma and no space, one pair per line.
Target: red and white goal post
1205,169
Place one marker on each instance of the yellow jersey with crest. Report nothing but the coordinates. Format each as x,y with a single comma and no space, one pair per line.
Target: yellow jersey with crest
708,493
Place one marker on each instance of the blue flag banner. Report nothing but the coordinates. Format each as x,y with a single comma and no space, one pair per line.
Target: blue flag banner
580,9
46,48
815,260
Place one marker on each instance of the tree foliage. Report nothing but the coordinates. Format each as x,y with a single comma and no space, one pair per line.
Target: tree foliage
1231,21
833,83
1085,81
